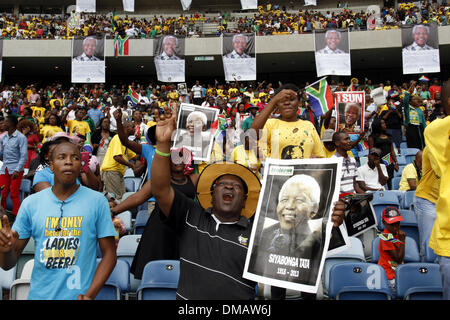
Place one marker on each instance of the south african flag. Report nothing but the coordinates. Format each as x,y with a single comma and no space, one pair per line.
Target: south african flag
387,159
320,96
121,46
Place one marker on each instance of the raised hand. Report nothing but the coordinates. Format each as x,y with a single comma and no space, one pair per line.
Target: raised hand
166,123
8,237
283,95
118,115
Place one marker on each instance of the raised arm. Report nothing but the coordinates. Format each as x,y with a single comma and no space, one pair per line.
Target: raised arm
160,170
135,199
132,145
261,119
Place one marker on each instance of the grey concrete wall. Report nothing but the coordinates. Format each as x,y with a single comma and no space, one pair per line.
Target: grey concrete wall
212,46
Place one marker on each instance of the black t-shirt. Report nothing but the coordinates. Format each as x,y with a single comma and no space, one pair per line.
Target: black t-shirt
393,121
211,261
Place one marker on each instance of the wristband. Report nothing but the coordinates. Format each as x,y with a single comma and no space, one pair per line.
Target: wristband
162,154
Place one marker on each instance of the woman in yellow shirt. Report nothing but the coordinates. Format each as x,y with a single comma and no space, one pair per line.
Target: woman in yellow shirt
293,137
77,126
52,126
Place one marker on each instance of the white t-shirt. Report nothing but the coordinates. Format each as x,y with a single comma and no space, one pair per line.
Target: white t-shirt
197,90
370,176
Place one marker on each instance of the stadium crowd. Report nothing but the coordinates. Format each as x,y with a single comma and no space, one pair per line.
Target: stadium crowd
271,19
116,136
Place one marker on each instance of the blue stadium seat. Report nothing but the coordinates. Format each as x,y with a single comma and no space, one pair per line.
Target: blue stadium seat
358,281
403,145
363,160
127,194
27,254
140,222
24,191
418,281
126,218
400,171
402,161
7,277
409,224
126,250
430,256
130,184
383,199
20,287
410,154
353,254
363,153
128,173
159,280
396,183
25,187
408,200
411,250
143,206
117,283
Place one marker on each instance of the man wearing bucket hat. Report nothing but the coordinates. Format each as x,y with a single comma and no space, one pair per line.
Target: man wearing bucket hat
214,233
392,244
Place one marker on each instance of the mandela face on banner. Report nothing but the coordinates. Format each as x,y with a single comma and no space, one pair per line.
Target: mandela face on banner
170,58
332,51
420,51
292,227
239,56
88,60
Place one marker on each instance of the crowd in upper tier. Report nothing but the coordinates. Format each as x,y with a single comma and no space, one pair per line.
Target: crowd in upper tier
270,19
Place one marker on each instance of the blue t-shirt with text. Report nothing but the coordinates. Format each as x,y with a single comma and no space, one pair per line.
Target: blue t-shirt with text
64,261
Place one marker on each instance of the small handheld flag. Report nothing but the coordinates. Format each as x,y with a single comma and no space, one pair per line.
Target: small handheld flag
387,159
320,96
132,96
388,237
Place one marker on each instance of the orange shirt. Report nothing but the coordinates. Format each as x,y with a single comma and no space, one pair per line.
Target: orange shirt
388,264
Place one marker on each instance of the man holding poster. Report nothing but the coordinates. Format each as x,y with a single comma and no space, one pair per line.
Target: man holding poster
227,196
288,250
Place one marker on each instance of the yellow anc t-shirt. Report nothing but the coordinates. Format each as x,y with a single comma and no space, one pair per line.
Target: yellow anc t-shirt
47,131
38,112
75,126
293,140
428,186
408,173
116,148
231,90
246,158
437,140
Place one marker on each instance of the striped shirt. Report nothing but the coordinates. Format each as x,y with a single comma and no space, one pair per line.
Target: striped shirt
212,254
349,173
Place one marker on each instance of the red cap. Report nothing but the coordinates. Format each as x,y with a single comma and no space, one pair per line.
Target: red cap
391,215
